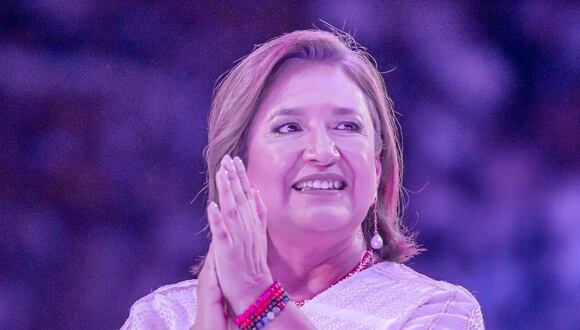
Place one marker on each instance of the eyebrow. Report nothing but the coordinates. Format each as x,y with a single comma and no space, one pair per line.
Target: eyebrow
299,112
285,112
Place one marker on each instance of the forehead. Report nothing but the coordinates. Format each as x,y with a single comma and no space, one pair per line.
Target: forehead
311,85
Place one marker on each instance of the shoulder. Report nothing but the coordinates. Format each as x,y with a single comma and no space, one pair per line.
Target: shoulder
439,304
393,296
399,273
165,308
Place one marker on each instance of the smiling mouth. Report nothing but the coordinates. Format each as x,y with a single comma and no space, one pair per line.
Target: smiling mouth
319,185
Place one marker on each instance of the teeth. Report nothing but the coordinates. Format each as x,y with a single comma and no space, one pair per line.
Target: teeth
320,185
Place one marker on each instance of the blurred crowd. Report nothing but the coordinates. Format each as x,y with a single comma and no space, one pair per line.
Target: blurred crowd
103,118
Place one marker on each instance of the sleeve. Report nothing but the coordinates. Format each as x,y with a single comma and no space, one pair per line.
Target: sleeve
454,309
160,310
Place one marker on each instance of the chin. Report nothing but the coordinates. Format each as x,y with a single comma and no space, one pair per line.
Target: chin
324,219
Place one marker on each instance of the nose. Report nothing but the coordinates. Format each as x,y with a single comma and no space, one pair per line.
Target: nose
321,149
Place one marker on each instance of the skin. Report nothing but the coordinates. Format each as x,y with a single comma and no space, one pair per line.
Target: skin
306,240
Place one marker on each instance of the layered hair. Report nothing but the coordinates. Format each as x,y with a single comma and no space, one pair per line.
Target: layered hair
240,91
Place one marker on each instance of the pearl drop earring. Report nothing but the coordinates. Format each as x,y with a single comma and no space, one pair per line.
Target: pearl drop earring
377,240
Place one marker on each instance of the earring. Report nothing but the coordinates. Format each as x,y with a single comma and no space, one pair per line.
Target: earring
377,240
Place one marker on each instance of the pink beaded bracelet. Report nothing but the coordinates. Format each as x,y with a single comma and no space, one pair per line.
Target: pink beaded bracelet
265,309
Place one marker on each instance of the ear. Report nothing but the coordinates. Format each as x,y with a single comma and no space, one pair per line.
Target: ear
378,169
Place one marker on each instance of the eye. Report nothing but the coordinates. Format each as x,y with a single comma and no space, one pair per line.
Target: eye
287,128
348,126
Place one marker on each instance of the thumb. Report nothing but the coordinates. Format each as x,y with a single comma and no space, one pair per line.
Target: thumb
260,206
207,277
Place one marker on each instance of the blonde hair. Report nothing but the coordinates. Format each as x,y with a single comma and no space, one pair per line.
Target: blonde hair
240,91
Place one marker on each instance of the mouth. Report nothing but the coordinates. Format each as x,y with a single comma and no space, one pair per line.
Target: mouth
320,184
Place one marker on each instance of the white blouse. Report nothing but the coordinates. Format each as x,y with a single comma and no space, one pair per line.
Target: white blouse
385,296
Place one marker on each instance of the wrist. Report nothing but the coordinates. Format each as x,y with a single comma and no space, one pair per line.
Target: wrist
264,309
249,297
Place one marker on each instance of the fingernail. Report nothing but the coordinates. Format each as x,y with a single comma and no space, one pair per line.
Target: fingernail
239,161
214,209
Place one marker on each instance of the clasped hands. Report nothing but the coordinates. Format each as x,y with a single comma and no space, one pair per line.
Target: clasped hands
236,271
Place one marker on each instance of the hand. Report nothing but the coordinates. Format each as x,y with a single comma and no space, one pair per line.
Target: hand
211,313
238,229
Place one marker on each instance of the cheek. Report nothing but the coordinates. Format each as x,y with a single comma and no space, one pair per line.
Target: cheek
361,149
269,164
361,157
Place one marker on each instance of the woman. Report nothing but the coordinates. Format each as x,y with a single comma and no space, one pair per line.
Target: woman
304,182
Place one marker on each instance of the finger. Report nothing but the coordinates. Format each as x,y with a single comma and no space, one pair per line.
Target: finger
205,273
202,276
228,208
260,206
237,190
242,174
210,260
209,293
245,181
219,230
206,280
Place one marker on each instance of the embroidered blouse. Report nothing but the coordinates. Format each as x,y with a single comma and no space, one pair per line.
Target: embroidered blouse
385,296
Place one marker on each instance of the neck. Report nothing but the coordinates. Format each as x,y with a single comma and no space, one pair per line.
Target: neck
306,269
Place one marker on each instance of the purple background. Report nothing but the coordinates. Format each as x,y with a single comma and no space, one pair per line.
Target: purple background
103,120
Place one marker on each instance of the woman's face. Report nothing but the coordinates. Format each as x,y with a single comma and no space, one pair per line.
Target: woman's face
311,151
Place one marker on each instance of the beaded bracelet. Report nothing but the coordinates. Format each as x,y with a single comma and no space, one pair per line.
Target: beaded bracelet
265,309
